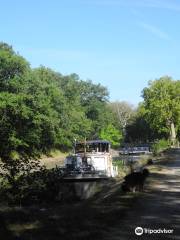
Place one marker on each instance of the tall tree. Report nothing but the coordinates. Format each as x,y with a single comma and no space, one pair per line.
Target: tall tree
29,121
162,106
12,66
138,128
123,112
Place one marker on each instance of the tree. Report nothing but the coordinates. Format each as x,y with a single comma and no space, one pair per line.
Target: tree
111,134
123,111
12,66
162,106
94,98
29,121
90,100
41,109
138,129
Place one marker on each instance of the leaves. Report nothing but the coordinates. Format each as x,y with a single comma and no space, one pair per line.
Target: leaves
41,109
111,134
162,104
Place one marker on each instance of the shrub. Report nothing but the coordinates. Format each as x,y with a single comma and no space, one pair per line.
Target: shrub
160,145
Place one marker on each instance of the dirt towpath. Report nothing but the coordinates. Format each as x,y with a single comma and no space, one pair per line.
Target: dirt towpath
157,208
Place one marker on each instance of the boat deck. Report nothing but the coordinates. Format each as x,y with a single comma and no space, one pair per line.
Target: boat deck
84,178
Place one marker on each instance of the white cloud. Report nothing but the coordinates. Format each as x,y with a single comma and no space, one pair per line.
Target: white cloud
154,30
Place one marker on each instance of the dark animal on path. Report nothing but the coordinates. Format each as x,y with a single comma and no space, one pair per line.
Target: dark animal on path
150,162
135,181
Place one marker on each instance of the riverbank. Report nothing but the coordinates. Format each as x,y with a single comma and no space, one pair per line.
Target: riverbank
55,158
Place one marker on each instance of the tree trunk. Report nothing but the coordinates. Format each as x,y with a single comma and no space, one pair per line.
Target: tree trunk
172,134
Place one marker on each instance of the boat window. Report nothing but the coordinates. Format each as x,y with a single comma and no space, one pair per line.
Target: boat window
80,148
92,147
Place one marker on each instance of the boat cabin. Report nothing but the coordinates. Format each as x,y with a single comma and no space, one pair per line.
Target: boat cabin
92,157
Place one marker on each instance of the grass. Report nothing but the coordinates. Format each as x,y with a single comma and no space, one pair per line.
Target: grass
19,228
122,168
55,158
88,219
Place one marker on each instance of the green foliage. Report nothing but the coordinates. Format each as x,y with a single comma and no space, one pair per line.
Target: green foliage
11,66
158,116
162,104
160,145
138,129
119,163
111,134
39,186
42,110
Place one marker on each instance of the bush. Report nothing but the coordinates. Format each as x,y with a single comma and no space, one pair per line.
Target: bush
160,145
36,187
122,168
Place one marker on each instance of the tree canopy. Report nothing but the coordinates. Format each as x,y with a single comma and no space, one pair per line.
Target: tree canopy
41,109
158,116
162,106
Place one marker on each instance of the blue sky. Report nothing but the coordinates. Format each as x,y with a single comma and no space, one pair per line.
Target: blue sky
120,43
